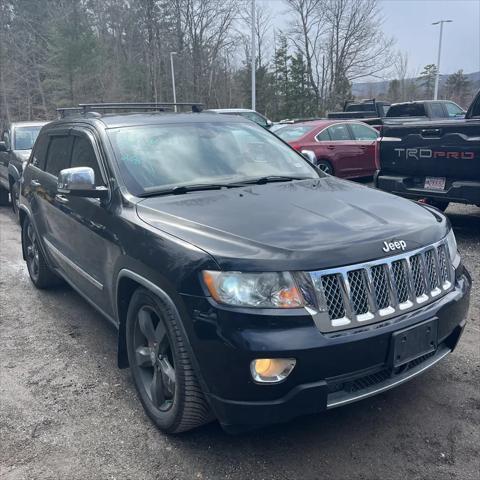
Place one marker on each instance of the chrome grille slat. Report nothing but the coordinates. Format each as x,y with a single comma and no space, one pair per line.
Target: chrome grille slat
377,290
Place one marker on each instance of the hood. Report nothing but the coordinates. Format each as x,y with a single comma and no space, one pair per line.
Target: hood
302,225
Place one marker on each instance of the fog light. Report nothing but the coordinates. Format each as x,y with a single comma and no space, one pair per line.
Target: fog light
271,370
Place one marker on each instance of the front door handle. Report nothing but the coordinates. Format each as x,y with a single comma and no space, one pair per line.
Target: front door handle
34,183
330,147
61,198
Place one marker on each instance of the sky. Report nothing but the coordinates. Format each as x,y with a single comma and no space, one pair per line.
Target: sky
409,22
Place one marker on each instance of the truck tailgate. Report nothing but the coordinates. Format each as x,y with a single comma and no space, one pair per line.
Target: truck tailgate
448,149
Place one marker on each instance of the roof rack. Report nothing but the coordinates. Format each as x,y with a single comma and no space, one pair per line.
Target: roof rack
155,106
66,111
94,108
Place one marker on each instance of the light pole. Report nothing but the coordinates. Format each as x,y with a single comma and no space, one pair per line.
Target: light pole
254,57
437,78
173,81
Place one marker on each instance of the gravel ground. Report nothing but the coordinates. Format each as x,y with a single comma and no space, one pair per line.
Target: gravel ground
67,412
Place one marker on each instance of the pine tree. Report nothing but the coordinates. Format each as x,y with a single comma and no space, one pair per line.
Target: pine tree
427,79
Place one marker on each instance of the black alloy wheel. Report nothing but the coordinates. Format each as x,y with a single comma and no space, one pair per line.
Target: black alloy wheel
154,359
32,252
160,364
40,273
15,195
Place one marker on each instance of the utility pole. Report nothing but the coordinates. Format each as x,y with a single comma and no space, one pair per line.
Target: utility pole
437,78
173,80
254,58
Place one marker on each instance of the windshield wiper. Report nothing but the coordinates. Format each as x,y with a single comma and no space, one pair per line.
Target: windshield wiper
181,189
270,179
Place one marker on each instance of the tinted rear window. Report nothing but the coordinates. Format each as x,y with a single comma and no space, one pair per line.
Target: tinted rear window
407,110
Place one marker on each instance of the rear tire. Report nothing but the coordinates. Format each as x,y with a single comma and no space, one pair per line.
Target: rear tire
14,196
4,199
40,273
325,166
161,368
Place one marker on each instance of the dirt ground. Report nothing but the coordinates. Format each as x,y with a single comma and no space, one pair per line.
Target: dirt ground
67,412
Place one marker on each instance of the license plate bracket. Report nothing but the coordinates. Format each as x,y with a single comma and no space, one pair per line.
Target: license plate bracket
413,342
435,183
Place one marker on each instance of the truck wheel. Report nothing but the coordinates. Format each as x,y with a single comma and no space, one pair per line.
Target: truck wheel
162,372
40,273
4,200
325,166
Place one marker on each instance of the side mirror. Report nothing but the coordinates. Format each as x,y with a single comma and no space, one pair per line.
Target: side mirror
310,156
269,123
3,147
80,182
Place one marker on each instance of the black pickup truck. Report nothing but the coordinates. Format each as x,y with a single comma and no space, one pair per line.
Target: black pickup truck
437,161
370,111
423,110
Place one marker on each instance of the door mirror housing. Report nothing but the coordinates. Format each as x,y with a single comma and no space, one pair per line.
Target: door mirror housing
80,182
3,147
310,156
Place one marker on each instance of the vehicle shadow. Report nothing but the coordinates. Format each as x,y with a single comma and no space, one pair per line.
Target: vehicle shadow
465,220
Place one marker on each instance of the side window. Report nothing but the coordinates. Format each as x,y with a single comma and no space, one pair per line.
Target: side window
323,136
339,132
83,155
40,151
475,109
437,110
362,132
453,110
58,156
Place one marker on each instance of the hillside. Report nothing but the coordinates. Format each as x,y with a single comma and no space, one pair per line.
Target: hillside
374,89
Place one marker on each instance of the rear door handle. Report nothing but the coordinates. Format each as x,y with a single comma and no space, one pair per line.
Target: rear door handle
34,183
330,147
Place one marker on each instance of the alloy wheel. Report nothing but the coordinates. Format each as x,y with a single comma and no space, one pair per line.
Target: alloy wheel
325,167
32,252
154,358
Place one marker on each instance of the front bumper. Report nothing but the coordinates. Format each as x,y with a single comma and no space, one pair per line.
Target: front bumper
460,191
332,369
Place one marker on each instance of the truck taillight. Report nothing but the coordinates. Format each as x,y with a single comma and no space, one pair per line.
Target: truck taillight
296,147
377,154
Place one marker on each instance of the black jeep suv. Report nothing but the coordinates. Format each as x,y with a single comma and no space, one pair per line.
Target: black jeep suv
246,285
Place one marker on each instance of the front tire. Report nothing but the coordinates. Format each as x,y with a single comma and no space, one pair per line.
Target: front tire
161,368
325,166
40,273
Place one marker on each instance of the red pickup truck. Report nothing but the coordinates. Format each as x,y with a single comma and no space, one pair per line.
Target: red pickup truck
342,148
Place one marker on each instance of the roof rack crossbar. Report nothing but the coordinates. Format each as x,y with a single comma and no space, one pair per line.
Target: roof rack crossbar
162,106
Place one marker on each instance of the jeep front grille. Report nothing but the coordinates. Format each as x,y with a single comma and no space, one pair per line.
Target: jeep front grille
370,292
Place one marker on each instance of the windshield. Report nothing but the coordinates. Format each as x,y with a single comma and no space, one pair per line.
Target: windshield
24,137
165,156
293,132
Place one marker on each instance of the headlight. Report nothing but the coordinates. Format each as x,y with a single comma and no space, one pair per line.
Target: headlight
261,290
452,248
